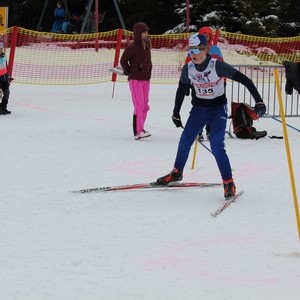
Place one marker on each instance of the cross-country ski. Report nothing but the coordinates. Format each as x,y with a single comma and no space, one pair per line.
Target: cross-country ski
151,185
226,203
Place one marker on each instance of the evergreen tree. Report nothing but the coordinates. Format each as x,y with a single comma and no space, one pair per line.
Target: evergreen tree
273,18
156,14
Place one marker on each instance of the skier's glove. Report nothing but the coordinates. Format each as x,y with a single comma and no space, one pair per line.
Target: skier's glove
177,121
260,108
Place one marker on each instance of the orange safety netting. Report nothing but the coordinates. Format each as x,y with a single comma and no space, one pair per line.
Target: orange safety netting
254,50
48,58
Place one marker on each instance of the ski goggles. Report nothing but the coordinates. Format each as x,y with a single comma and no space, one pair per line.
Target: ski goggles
195,50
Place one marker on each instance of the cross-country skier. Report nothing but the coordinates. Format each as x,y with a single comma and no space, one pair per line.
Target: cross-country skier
209,107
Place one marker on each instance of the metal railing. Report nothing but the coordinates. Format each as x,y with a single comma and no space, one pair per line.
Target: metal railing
263,77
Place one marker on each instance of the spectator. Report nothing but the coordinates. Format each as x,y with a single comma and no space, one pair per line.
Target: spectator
73,25
136,63
4,82
207,74
59,15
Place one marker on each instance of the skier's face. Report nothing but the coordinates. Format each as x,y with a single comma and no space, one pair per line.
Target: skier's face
198,54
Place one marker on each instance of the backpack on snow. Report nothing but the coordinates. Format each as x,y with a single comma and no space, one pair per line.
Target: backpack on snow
242,119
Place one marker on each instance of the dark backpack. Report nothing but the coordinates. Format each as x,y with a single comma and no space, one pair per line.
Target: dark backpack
242,119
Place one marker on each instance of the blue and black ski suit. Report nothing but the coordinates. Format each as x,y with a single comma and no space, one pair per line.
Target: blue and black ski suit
209,106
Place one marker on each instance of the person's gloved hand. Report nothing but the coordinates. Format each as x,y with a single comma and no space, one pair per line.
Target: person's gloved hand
260,108
177,121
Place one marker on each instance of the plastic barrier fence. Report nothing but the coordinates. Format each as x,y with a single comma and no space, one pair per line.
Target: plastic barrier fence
48,58
63,59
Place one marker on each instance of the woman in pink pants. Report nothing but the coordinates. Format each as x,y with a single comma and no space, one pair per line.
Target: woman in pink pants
137,65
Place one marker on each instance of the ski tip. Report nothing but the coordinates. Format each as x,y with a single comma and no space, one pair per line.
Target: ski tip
239,194
226,203
76,192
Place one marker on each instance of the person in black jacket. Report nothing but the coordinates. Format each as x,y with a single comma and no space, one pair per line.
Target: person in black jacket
4,82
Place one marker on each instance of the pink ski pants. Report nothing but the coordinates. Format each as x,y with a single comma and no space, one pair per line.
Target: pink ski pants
140,97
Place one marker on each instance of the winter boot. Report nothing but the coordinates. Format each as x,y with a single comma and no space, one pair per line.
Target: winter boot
134,125
229,189
3,109
175,175
142,135
6,112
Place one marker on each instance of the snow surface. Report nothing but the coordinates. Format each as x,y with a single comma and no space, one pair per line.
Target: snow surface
152,245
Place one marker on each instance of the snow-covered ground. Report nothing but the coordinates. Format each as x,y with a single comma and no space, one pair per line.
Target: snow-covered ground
150,245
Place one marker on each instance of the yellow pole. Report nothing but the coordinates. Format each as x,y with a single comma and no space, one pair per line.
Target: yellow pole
195,152
286,139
